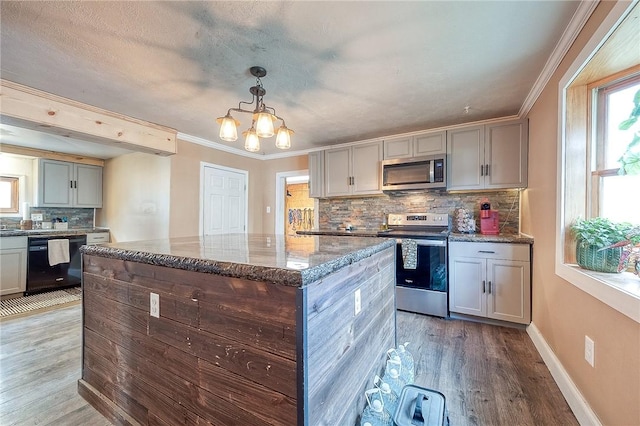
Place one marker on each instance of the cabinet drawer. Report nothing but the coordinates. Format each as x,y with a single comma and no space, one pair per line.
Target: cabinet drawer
490,250
98,238
13,243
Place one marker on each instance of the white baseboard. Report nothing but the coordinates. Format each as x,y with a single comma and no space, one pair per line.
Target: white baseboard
570,391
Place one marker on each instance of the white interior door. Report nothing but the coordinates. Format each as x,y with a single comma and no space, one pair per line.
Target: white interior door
224,200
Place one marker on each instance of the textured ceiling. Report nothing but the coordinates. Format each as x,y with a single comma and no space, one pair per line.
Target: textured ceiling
337,71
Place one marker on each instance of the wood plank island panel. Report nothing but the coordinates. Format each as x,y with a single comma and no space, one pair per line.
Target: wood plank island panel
242,338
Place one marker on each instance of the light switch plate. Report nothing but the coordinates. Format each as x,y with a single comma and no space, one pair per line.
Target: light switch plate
36,217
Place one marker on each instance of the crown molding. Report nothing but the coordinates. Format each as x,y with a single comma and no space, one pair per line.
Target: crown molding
215,145
578,21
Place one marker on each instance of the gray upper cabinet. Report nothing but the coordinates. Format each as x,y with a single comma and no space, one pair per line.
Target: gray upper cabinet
353,170
316,174
64,184
427,143
493,156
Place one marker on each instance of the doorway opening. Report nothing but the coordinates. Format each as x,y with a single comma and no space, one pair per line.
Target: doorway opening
295,211
299,209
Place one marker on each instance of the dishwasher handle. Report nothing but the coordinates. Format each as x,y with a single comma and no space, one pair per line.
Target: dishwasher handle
40,244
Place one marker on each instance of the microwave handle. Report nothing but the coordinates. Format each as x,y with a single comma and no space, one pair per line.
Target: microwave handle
432,177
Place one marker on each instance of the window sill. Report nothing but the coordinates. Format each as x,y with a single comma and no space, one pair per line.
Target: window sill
619,291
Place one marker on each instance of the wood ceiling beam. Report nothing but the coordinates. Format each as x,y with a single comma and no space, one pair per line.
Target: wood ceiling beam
25,107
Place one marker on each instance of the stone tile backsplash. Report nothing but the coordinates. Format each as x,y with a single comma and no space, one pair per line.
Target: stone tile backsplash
368,212
77,218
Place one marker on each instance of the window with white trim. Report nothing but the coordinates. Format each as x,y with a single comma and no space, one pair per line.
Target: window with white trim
616,128
606,60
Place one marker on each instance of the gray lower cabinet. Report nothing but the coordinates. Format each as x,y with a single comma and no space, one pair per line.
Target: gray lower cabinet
492,156
490,280
13,265
64,184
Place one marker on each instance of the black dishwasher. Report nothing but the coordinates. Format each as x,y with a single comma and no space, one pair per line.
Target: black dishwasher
41,276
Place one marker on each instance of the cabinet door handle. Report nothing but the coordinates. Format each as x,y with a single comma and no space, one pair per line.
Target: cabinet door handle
71,184
484,286
488,171
481,169
489,287
486,251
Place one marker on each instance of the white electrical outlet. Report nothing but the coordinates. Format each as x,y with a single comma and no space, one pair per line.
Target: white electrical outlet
268,209
589,350
36,217
154,305
358,302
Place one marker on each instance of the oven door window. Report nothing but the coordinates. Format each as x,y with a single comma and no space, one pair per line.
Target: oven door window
430,272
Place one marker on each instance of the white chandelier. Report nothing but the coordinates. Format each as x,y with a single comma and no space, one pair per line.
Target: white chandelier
262,122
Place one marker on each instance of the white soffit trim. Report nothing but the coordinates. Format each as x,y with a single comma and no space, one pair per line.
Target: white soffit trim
579,19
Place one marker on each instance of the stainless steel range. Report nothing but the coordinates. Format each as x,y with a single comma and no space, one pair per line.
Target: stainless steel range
422,282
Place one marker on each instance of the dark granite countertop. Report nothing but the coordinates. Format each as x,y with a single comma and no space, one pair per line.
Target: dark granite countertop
48,232
296,261
501,238
343,233
479,238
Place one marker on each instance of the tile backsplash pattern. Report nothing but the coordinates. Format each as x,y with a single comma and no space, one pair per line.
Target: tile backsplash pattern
368,212
77,218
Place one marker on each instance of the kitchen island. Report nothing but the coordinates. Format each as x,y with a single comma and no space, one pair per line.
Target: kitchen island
236,329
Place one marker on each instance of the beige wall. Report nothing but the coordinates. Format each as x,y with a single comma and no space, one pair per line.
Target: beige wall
136,197
185,186
563,313
149,197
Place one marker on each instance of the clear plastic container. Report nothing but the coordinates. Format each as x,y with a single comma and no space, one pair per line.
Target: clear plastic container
392,376
374,413
389,397
408,364
402,356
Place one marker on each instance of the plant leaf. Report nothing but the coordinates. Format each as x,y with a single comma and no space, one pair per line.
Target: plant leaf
626,124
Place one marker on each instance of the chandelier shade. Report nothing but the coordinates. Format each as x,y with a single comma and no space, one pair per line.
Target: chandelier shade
263,118
251,141
283,139
228,128
264,124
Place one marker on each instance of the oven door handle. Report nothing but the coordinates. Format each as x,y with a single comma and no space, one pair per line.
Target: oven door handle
430,243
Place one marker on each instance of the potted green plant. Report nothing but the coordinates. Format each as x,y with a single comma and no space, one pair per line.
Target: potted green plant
631,250
599,244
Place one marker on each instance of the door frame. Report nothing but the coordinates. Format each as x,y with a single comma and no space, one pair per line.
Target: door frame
203,165
281,185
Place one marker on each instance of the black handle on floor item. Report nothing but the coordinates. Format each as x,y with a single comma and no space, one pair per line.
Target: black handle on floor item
418,418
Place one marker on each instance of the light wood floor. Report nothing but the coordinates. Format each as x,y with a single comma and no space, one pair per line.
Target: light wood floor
490,375
40,364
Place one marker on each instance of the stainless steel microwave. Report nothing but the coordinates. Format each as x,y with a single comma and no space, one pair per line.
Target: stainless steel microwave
426,172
